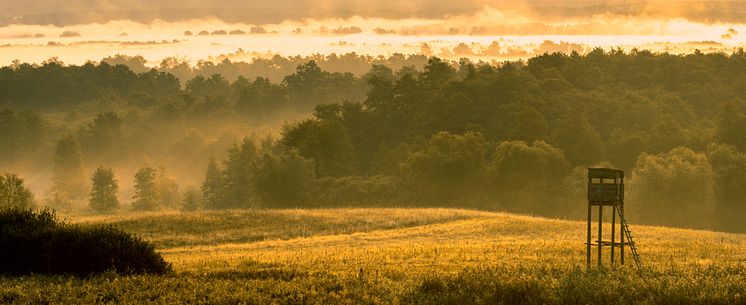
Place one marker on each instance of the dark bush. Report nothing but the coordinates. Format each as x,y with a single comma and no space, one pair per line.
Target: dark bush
34,242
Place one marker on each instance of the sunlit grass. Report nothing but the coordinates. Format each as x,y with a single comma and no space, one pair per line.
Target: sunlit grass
401,256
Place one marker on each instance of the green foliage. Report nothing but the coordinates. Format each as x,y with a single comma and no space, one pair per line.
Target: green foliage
267,175
729,168
168,191
146,196
731,126
191,200
36,243
578,139
69,181
13,192
598,107
21,132
448,168
237,186
212,185
529,178
674,188
284,179
104,139
104,187
327,142
53,85
356,191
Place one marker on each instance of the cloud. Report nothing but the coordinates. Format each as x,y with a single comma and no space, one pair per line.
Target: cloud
67,34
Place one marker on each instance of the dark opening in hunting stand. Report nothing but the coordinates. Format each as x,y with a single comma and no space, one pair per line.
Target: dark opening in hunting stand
606,188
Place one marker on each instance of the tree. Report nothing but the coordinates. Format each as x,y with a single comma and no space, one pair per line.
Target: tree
579,140
730,127
284,179
146,191
168,190
327,142
527,124
447,168
104,139
20,134
528,177
104,189
212,187
190,200
729,166
68,179
237,190
13,193
674,188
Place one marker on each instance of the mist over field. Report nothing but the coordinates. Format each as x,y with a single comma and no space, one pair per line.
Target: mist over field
489,31
372,152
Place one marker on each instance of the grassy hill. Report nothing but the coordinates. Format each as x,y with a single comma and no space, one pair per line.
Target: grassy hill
370,256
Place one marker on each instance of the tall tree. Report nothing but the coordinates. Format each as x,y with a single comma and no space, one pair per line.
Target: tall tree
69,182
104,189
212,186
190,200
146,190
237,177
168,190
103,139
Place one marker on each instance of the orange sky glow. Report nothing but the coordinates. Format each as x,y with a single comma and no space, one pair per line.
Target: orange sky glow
489,34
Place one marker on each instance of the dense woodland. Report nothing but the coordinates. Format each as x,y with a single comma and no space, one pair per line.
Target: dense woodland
515,136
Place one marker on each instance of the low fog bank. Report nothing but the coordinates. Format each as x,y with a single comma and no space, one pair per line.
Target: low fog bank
489,34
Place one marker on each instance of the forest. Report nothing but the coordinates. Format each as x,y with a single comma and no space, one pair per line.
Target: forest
514,136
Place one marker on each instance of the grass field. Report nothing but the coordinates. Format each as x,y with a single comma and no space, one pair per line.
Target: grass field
397,256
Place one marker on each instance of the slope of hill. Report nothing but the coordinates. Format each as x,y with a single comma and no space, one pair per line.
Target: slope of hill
436,240
405,256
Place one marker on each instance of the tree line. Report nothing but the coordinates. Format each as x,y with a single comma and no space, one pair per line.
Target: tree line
515,136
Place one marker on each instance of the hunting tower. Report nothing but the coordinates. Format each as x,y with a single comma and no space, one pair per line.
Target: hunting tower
606,188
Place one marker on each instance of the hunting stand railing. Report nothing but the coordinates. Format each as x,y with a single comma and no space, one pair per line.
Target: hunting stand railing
606,188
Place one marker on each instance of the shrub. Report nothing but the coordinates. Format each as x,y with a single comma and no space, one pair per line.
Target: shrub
35,242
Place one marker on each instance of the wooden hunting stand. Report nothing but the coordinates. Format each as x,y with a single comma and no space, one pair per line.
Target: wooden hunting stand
606,188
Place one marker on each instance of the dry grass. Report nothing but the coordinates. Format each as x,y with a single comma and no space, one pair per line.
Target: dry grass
411,256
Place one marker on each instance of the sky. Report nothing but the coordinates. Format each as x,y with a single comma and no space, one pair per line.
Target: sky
76,31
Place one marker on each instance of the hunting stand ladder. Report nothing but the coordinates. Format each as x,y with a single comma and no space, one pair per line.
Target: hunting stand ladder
606,188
